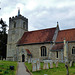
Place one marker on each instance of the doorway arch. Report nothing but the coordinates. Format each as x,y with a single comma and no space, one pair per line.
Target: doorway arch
23,58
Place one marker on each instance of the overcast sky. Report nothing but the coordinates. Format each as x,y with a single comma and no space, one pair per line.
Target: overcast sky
41,14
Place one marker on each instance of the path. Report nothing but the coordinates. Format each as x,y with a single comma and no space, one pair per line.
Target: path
22,69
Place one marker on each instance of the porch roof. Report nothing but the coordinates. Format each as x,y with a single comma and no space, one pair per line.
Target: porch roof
58,47
28,52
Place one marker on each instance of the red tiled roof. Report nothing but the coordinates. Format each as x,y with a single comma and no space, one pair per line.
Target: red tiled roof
38,36
58,46
28,51
68,35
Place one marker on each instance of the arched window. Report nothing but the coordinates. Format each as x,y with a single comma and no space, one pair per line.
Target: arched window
43,51
73,50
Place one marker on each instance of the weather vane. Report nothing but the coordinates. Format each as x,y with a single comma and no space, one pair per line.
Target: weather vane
18,11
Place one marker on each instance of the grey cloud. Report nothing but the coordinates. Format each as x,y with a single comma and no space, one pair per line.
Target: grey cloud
53,15
43,17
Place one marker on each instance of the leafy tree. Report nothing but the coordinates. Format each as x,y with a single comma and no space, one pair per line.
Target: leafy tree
3,38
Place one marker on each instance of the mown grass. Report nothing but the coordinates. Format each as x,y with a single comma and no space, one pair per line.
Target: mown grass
61,70
5,68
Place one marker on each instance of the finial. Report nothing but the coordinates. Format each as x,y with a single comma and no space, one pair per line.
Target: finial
18,11
57,23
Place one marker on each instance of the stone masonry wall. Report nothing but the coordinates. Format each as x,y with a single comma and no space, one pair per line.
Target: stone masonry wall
53,56
36,50
70,55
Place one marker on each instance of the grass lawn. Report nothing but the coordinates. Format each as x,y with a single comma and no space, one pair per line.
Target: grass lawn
5,68
61,70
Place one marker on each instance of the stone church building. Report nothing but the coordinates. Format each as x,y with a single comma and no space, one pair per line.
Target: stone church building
45,44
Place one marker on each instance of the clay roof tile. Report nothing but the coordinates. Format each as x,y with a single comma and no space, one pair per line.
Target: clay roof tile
69,35
38,36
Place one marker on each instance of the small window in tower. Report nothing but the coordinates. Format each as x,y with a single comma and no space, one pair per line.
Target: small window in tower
73,50
24,25
14,24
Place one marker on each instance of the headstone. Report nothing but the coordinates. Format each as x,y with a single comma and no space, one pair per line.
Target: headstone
45,66
38,60
29,60
51,64
33,67
71,63
38,65
34,60
4,59
57,64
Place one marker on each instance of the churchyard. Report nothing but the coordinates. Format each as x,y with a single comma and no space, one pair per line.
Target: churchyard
6,68
50,68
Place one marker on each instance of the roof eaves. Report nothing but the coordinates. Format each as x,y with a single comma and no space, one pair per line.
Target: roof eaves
35,43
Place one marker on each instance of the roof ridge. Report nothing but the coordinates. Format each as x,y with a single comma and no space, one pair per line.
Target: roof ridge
41,29
67,29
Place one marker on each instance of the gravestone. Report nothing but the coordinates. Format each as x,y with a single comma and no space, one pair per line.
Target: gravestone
51,64
57,64
3,58
34,60
34,66
71,63
29,60
38,66
45,66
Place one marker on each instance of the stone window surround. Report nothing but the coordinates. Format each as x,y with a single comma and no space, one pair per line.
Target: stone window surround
45,50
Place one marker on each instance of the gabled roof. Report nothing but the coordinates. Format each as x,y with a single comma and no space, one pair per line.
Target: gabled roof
57,47
68,35
38,36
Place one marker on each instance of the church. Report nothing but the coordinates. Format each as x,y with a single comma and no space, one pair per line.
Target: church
45,44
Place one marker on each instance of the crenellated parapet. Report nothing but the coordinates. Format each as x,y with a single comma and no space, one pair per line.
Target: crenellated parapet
18,17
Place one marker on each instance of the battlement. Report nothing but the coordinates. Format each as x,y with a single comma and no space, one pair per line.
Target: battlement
17,17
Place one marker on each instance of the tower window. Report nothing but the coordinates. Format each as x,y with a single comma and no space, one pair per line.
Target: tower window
24,25
57,54
14,24
73,50
43,51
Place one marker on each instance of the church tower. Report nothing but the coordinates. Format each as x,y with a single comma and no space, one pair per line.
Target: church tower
17,26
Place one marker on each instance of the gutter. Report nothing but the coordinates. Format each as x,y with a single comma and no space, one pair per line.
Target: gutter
51,42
